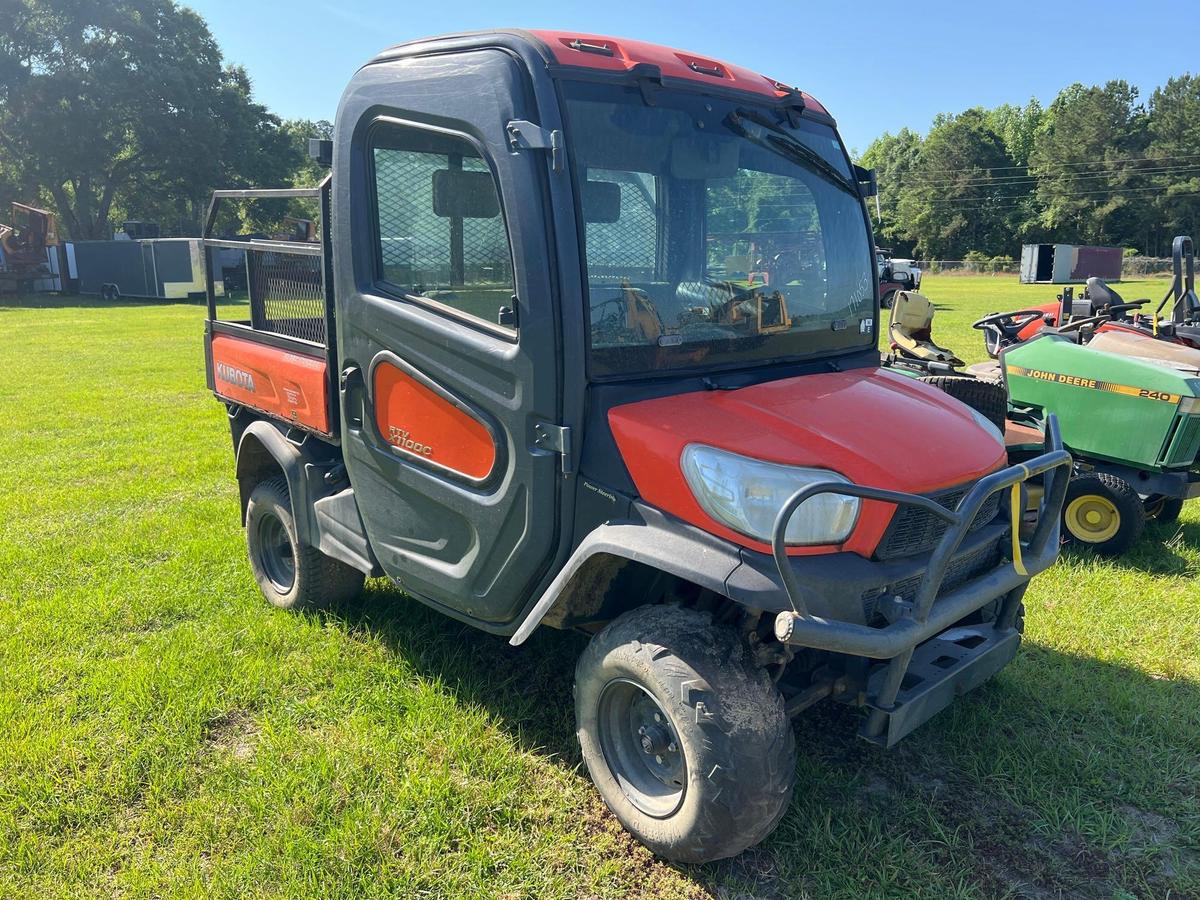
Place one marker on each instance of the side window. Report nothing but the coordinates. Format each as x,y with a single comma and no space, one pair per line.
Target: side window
620,211
438,223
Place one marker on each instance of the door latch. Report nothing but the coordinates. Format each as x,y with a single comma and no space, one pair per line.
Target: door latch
557,438
525,135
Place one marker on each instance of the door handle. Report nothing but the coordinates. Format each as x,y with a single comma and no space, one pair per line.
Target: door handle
351,384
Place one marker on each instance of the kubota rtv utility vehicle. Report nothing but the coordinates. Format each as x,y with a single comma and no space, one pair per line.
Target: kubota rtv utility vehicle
590,341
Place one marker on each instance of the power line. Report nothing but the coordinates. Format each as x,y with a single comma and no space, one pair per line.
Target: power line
1090,162
1011,203
992,202
1117,190
1016,180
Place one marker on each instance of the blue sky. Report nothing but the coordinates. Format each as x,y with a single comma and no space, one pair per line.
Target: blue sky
877,67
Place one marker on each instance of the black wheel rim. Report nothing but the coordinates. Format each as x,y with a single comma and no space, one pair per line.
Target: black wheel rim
641,747
275,553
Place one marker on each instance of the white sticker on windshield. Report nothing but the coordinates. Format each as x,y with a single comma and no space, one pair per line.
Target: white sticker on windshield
866,326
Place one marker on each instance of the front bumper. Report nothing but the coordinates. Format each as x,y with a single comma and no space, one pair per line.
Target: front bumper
928,613
928,662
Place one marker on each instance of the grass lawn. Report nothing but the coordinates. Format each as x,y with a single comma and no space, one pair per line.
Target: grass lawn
164,732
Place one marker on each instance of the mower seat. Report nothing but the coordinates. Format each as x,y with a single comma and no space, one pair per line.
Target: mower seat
1145,347
910,329
1101,294
988,370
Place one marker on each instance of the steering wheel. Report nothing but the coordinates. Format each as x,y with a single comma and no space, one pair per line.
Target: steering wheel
1001,329
1009,323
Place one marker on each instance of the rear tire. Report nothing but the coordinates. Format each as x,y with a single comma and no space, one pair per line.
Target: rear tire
989,398
289,574
1165,509
888,299
686,740
1103,512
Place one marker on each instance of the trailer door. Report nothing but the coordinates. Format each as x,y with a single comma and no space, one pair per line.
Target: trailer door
447,332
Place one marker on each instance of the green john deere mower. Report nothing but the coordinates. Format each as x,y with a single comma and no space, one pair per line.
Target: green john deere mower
1129,413
1132,424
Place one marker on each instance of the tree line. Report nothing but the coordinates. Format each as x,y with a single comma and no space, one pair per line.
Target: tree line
125,109
1096,167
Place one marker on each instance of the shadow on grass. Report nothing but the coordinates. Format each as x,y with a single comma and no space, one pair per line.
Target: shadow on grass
1009,789
528,689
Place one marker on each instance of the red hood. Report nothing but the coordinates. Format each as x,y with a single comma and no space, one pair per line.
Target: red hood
875,427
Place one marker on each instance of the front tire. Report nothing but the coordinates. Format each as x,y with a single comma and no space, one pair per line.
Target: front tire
1103,512
686,740
291,575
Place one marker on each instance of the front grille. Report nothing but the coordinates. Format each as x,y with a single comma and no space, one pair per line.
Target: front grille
914,530
1183,446
959,572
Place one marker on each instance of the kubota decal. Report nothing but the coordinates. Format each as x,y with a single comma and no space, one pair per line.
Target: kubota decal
1093,384
420,418
235,377
278,382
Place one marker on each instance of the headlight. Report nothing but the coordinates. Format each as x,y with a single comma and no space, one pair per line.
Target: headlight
988,425
1189,406
746,494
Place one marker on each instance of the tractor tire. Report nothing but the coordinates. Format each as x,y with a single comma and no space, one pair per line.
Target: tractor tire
989,398
685,738
1103,512
289,574
1164,509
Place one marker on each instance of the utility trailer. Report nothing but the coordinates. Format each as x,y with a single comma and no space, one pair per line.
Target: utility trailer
150,269
529,375
1069,263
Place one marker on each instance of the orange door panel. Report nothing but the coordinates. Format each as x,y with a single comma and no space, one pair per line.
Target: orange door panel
287,385
419,418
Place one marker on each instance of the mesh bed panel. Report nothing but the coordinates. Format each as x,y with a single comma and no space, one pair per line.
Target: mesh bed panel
287,289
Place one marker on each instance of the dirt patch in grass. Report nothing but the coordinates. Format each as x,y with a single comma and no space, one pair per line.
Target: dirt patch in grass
1009,855
233,733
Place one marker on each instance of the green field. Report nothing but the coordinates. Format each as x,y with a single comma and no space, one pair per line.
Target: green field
164,732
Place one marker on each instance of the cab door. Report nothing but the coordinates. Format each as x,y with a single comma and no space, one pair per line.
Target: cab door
447,331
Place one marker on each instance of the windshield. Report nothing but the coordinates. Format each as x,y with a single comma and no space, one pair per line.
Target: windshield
717,233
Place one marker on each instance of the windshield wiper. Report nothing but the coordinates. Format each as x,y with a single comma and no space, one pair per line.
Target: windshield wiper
782,142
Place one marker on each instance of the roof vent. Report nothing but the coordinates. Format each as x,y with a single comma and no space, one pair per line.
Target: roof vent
584,47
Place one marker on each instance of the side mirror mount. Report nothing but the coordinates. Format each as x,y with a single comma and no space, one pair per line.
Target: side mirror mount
868,181
320,151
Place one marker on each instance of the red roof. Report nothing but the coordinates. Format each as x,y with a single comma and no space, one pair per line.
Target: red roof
621,55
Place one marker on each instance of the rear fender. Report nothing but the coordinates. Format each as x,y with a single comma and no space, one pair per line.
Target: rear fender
323,504
262,452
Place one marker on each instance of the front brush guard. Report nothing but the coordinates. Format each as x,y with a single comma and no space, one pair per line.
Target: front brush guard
929,614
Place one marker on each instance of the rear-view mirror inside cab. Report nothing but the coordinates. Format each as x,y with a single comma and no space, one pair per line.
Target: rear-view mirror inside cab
466,195
601,201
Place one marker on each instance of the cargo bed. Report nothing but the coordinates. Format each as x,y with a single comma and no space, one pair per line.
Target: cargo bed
275,355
